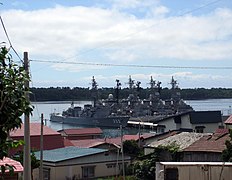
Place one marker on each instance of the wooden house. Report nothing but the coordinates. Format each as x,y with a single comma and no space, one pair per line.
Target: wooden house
193,171
208,148
81,163
81,133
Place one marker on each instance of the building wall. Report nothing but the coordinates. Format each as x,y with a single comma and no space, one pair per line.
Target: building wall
49,142
169,124
104,165
193,172
209,127
202,157
185,122
148,150
82,137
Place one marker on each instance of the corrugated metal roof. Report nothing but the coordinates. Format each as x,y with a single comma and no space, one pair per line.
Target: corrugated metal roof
67,153
34,130
82,131
17,165
183,139
229,120
211,143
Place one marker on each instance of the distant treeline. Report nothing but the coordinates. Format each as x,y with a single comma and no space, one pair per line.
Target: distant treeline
79,94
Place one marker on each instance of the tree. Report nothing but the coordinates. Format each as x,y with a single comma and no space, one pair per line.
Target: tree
227,153
35,163
131,148
13,102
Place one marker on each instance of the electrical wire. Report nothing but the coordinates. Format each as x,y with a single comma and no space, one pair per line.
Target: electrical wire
8,38
134,65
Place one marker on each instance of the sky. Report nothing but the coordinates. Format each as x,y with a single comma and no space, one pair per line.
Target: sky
70,41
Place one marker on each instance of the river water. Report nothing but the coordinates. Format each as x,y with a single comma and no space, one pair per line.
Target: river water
224,105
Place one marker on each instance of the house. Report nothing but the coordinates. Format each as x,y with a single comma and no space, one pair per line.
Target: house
160,136
208,148
82,133
109,143
95,143
197,121
18,169
193,170
81,163
228,122
51,138
183,140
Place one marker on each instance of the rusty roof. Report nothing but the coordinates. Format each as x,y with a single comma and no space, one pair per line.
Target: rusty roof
210,143
17,165
34,130
183,140
82,131
115,141
229,120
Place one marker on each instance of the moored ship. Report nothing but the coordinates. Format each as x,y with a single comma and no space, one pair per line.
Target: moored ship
98,115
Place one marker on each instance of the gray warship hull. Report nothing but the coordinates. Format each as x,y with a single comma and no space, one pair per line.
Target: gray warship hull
111,121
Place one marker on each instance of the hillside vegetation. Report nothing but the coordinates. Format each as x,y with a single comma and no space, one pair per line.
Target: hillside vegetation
78,93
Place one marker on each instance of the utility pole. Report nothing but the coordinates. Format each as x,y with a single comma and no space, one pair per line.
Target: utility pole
41,149
27,145
123,167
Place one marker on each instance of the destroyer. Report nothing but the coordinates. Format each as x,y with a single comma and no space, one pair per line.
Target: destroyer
98,114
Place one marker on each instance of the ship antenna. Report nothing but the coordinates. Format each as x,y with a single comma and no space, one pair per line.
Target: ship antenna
118,87
94,91
174,83
131,83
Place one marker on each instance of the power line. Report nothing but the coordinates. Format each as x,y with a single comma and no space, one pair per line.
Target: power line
134,65
7,36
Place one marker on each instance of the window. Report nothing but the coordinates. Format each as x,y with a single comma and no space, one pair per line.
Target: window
88,171
46,174
171,174
199,129
113,165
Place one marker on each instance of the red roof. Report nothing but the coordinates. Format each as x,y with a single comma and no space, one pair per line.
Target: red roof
117,141
211,143
51,138
88,143
82,131
17,165
34,130
67,143
229,120
221,131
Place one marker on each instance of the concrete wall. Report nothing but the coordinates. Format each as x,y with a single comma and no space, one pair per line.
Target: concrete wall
196,171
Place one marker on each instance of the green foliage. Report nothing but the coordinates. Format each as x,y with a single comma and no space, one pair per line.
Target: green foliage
145,169
78,93
227,153
172,149
13,102
131,148
35,163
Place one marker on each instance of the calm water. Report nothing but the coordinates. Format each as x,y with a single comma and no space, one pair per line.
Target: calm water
224,105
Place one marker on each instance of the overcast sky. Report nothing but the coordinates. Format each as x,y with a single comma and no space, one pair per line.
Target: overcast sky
104,33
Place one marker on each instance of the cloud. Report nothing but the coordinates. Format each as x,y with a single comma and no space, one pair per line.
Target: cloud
67,31
127,32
